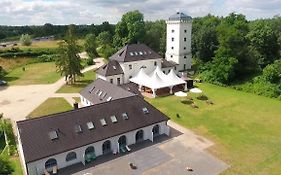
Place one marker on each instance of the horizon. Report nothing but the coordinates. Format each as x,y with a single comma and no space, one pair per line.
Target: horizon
64,12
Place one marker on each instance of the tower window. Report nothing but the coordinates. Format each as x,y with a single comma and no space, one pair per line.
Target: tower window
155,63
111,81
173,31
184,48
184,31
173,39
184,56
172,48
184,67
130,66
171,56
184,39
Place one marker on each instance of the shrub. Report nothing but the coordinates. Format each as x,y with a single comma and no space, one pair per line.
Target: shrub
2,72
25,40
90,61
5,166
47,58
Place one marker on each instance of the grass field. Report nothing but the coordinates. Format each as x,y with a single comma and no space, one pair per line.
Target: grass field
245,127
42,44
11,63
38,73
51,106
16,165
80,83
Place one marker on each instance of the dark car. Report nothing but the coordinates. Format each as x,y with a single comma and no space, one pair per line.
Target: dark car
3,83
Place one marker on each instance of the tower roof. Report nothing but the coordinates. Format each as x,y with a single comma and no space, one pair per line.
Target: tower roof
179,16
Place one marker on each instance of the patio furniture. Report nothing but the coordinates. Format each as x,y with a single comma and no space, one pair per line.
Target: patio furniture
55,170
128,149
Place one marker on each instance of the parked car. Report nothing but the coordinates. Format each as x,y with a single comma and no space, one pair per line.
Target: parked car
3,83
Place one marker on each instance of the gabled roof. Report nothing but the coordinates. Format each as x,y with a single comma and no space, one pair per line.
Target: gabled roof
101,91
134,52
111,68
165,63
35,138
179,16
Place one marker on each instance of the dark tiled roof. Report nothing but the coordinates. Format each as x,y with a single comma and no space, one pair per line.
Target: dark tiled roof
34,133
166,63
111,68
179,16
135,52
132,87
100,90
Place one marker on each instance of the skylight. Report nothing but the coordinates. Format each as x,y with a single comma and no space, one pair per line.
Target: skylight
103,122
145,110
113,119
92,89
114,67
100,93
109,98
140,53
97,91
78,128
144,52
131,53
53,135
125,116
90,125
136,53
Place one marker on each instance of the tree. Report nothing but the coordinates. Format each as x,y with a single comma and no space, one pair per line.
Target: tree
130,29
106,51
68,62
272,72
264,41
25,40
104,38
90,45
5,166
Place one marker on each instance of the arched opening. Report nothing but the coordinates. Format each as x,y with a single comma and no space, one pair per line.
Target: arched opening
90,154
50,163
139,136
70,156
155,131
106,147
122,141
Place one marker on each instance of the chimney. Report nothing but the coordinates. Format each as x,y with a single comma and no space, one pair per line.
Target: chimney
75,105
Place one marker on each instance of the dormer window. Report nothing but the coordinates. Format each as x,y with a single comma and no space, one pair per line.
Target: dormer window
130,66
173,31
125,116
103,122
155,63
53,135
77,128
173,39
184,39
90,125
145,110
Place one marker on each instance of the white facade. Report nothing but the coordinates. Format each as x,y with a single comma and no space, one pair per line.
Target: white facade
114,79
178,43
130,69
37,167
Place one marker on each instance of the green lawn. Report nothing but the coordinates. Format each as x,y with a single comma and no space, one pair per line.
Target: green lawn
77,99
80,83
38,73
16,165
51,106
245,127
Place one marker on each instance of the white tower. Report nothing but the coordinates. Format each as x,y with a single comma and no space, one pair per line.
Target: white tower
178,42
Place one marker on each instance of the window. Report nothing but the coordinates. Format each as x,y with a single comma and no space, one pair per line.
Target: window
173,39
172,48
90,125
171,56
70,156
50,163
109,98
130,77
113,119
114,67
184,56
145,110
103,122
155,63
125,116
164,72
111,81
77,128
118,81
130,66
53,135
131,53
184,39
184,48
175,68
136,53
184,31
173,31
184,66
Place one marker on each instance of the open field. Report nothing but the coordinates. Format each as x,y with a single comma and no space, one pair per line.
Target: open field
245,127
42,44
11,63
51,106
38,73
80,83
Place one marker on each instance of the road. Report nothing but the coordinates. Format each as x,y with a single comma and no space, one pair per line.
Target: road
16,102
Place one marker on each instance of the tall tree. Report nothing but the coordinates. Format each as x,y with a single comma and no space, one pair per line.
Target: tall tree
25,40
90,45
68,62
130,29
104,38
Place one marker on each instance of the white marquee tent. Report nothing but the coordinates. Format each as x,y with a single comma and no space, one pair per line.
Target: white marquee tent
157,80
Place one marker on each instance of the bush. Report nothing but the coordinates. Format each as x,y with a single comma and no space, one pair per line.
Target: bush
47,58
5,166
15,52
90,61
25,40
2,72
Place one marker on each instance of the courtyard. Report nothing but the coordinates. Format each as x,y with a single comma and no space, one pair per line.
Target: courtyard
166,155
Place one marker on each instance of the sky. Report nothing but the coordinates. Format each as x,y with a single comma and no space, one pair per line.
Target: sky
39,12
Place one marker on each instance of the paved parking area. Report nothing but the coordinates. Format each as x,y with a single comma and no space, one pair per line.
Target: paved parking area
169,156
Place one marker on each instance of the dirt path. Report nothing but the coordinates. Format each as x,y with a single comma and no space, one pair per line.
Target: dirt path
16,102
